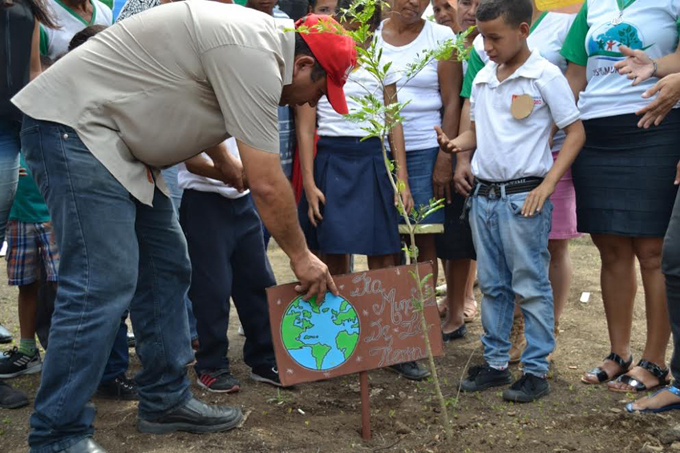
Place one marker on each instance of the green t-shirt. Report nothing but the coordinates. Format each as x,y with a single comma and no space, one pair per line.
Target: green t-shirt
29,205
600,28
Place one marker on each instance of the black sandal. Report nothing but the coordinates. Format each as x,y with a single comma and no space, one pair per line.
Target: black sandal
602,375
638,387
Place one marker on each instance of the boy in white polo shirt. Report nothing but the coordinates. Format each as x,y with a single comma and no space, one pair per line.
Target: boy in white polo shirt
515,101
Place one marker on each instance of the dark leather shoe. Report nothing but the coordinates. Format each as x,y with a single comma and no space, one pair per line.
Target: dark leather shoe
10,398
5,335
86,445
194,417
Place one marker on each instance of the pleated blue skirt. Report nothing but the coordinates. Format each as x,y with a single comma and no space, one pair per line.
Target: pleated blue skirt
359,216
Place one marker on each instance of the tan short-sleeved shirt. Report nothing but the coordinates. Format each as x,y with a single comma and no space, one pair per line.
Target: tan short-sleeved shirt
162,86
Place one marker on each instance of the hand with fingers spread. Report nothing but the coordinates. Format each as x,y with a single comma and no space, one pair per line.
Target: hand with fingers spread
315,280
637,66
668,94
536,199
445,144
315,198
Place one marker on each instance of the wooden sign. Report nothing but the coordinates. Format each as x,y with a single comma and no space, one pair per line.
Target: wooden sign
372,324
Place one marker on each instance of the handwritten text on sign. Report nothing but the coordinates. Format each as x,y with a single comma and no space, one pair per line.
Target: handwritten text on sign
372,324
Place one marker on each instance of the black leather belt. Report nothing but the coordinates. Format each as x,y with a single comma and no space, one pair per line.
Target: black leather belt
493,189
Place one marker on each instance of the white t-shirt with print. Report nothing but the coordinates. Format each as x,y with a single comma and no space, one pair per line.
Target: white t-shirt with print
547,36
359,84
188,180
650,25
423,112
508,148
54,41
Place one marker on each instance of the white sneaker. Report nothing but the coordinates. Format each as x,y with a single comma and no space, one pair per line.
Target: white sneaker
3,249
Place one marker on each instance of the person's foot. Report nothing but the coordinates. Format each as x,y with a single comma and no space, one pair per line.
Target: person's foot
470,311
120,388
5,335
519,342
661,401
11,398
268,375
456,334
441,307
194,417
482,377
613,366
86,445
410,370
18,363
640,379
218,381
527,389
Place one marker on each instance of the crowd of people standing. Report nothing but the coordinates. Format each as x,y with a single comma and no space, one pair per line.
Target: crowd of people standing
87,213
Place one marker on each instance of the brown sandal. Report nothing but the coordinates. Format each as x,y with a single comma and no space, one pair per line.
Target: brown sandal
470,311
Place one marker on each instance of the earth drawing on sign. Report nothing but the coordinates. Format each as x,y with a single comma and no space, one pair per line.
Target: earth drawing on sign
321,337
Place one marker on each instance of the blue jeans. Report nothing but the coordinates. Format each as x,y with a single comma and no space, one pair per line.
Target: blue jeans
9,169
170,177
513,259
114,250
119,360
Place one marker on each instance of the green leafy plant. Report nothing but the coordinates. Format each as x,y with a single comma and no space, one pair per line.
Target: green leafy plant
380,117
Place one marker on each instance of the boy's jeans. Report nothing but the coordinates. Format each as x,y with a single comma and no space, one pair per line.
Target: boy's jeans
114,250
513,258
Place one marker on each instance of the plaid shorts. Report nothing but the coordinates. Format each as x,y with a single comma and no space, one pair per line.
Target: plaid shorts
27,245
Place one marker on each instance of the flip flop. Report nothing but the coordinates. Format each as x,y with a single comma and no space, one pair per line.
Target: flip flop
674,390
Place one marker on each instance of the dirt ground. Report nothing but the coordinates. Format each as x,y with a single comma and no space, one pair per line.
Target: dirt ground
325,416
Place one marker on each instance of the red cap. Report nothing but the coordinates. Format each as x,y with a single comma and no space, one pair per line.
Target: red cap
335,53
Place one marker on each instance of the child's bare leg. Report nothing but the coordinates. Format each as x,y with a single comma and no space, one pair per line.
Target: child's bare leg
28,308
337,264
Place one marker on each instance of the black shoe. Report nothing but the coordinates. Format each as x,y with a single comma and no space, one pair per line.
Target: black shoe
410,370
268,375
482,377
194,417
16,363
527,389
218,381
120,388
10,398
455,335
86,445
5,336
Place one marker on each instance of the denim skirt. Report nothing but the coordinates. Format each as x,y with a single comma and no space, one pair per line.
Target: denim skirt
624,176
359,216
420,165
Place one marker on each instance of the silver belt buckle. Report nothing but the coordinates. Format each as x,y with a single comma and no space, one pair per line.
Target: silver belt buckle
494,191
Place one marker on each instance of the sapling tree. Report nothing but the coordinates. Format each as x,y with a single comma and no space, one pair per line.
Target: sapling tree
380,115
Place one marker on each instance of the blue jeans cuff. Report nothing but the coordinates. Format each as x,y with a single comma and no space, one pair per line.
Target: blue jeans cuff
147,415
61,445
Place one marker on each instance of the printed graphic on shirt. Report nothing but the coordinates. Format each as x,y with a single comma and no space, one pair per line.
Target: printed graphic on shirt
607,38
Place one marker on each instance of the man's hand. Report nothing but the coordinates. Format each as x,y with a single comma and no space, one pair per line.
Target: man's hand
314,199
314,277
463,179
668,90
536,199
232,173
442,177
638,67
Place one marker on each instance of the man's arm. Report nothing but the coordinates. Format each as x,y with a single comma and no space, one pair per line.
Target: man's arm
276,204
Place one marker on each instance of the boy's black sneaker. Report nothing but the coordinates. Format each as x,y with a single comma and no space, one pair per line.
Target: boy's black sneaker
482,377
527,389
120,388
218,381
268,375
16,363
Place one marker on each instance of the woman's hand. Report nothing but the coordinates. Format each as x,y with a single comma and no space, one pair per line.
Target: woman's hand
638,67
536,199
314,199
668,90
406,199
